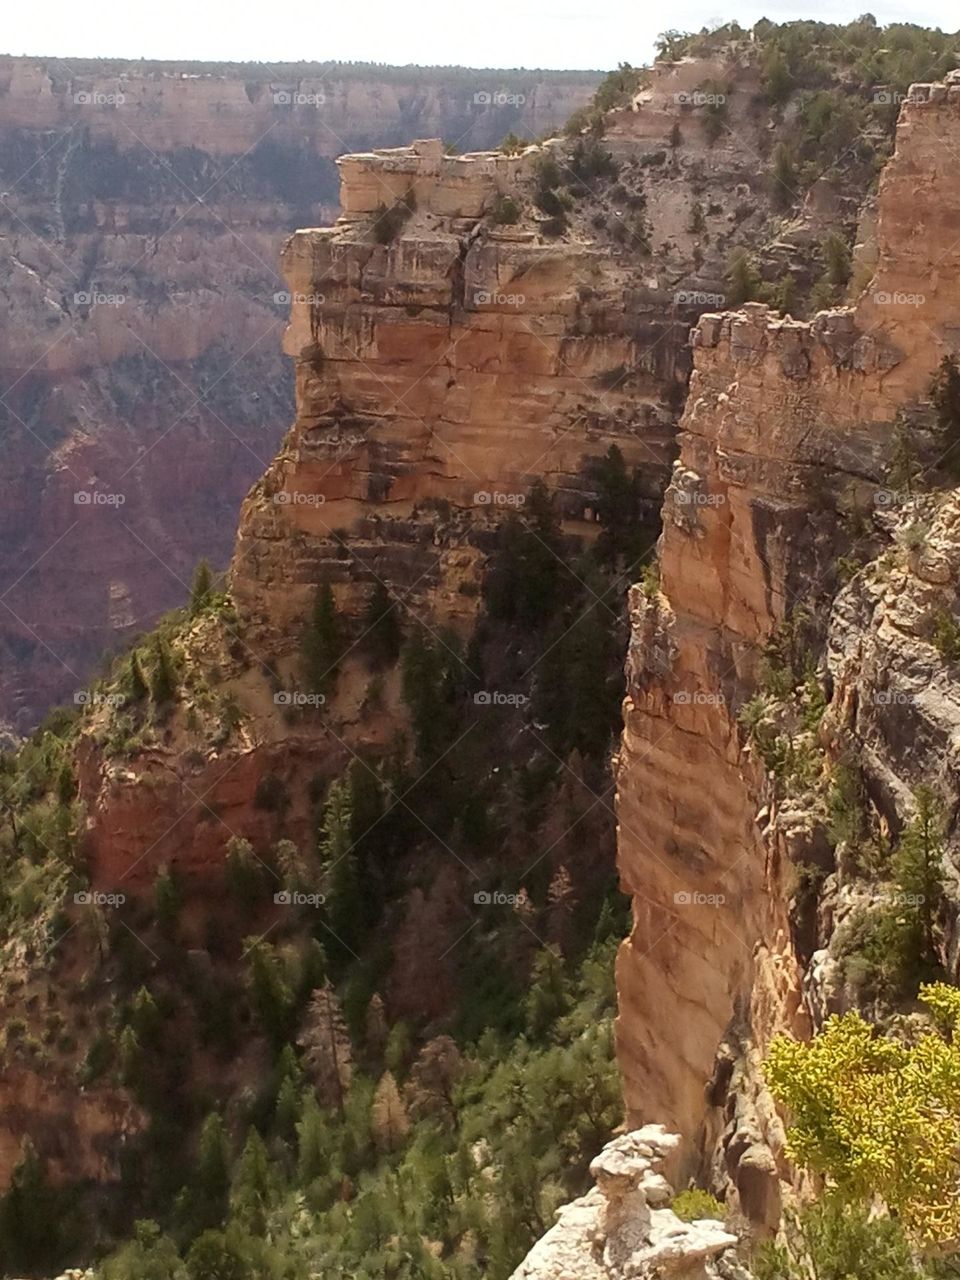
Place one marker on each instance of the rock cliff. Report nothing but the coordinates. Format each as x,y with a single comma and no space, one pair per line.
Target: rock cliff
142,210
787,434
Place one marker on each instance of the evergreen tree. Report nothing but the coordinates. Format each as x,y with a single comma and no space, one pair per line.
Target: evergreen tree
918,868
29,1227
743,279
250,1191
946,399
389,1121
163,684
212,1171
313,1142
784,177
327,1051
270,993
837,262
383,634
166,900
548,995
560,904
287,1109
201,592
376,1030
323,643
145,1018
137,682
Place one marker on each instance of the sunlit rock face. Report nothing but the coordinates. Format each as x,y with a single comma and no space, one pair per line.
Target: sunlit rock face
142,212
784,421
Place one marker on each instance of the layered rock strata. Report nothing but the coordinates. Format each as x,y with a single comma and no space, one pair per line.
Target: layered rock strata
787,431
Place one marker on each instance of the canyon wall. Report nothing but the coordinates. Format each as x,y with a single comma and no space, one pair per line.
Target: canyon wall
142,211
787,433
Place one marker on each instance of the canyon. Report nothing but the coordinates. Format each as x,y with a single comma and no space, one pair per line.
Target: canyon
478,339
142,210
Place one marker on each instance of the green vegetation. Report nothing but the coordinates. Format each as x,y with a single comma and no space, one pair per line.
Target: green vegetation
946,399
880,1117
389,220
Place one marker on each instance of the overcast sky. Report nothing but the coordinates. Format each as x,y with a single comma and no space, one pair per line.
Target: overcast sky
478,33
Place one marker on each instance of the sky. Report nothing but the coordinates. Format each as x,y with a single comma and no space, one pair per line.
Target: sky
492,33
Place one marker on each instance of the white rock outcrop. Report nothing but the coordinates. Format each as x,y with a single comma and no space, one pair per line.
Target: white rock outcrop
623,1229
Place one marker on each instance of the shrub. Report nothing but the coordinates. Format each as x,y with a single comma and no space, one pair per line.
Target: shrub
389,220
693,1203
505,211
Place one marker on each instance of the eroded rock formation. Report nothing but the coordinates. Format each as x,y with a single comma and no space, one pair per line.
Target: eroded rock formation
787,432
624,1226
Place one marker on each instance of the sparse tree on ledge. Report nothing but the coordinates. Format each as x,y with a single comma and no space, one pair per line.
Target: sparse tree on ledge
202,590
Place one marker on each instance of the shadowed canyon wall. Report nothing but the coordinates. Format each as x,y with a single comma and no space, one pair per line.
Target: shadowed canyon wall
142,210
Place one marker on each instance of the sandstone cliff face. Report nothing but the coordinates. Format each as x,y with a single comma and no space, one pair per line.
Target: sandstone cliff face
142,214
787,428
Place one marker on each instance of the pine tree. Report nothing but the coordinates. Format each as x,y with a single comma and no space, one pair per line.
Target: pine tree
166,899
286,1109
313,1142
436,1071
382,632
163,684
560,904
29,1229
250,1192
201,592
376,1029
327,1050
784,177
548,995
743,279
389,1121
270,993
212,1175
322,642
918,869
946,398
837,262
145,1018
131,1059
138,683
